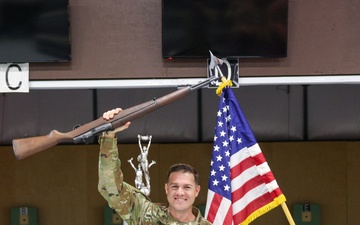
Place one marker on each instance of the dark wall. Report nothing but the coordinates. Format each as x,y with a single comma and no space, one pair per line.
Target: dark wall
275,113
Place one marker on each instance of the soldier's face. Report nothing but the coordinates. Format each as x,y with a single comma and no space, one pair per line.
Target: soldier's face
181,191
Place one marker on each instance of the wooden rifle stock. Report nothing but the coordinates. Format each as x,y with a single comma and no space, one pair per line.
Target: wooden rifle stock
25,147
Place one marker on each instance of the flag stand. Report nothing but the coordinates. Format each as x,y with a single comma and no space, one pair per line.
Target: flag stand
287,213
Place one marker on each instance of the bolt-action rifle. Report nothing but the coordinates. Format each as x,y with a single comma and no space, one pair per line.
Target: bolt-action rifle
25,147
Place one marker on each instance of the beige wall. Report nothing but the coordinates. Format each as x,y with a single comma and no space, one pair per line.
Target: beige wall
122,39
62,182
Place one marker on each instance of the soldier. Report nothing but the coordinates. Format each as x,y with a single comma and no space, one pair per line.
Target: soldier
134,207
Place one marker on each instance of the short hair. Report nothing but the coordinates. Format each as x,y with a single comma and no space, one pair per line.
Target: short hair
185,168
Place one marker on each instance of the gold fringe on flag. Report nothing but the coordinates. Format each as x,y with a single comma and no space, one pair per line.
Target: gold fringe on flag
261,211
224,83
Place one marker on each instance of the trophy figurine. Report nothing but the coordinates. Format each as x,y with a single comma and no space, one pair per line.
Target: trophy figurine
142,171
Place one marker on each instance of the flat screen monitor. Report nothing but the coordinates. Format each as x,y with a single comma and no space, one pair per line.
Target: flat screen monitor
228,28
34,31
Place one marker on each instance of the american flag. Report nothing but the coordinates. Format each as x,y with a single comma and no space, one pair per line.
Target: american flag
241,184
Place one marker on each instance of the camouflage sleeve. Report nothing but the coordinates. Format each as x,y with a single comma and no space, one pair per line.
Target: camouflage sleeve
110,174
125,199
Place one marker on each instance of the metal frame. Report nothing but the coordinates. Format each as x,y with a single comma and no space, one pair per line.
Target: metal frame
161,83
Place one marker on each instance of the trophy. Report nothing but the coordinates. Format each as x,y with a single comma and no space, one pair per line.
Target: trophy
142,170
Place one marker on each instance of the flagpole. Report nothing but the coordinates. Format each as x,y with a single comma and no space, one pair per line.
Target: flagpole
287,213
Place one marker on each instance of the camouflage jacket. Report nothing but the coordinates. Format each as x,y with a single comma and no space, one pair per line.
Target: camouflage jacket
132,205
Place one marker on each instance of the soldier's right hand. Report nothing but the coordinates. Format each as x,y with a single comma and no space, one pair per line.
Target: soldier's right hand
109,115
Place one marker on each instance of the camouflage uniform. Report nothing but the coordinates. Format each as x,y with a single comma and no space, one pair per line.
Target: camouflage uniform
132,205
